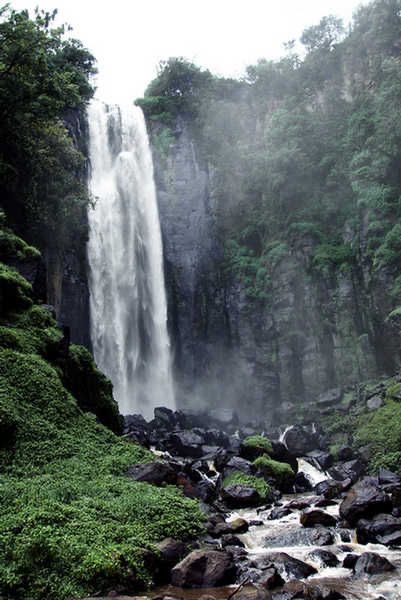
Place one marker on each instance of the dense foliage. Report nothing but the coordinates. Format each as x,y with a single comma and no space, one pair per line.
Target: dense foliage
304,148
43,77
71,521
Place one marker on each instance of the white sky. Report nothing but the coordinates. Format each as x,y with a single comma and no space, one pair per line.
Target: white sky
130,37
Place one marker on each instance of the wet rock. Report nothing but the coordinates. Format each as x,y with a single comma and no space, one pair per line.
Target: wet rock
231,540
311,517
288,566
165,416
281,454
321,592
380,529
236,527
320,460
345,453
216,437
236,463
279,512
371,563
256,592
204,568
240,496
324,557
299,441
170,553
345,535
300,536
255,523
352,469
156,473
300,503
350,561
186,444
322,502
364,500
302,483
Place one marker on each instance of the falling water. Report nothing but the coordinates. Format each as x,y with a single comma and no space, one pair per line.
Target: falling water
127,295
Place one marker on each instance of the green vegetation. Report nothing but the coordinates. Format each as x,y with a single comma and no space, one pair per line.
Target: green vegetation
258,442
43,77
71,521
258,483
304,150
381,431
281,472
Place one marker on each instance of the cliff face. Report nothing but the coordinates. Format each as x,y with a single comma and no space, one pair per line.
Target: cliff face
315,332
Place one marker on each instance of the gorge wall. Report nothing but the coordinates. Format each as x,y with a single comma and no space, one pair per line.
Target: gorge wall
266,357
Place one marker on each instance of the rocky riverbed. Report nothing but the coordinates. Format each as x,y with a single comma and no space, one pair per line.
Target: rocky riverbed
284,519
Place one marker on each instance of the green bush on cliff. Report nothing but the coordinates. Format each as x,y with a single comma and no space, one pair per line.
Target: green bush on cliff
15,291
381,432
258,483
14,248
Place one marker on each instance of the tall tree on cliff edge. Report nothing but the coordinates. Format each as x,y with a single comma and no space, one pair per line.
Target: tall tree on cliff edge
42,76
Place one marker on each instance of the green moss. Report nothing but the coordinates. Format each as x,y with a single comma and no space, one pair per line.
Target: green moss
381,431
281,472
15,291
93,391
258,442
393,389
13,248
258,483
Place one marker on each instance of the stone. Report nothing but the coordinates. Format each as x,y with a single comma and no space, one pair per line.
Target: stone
186,444
364,500
371,563
311,517
375,402
350,561
299,441
165,416
377,530
156,473
231,540
236,527
237,463
204,568
321,460
170,553
324,557
352,469
289,566
279,512
240,496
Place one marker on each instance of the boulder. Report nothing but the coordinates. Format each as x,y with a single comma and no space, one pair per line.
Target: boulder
299,441
364,500
288,566
236,463
352,469
165,416
350,561
186,444
371,563
382,529
236,527
324,557
301,536
279,512
156,473
170,553
311,517
255,592
204,568
302,483
241,496
320,460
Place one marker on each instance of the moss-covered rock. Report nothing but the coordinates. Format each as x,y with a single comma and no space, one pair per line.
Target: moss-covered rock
254,446
282,473
15,291
258,483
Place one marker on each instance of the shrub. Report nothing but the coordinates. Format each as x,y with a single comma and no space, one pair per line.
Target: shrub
260,485
15,291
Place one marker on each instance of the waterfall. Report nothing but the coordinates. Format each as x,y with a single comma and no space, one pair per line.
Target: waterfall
127,294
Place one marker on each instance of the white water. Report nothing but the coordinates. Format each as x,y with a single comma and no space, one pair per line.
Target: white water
127,295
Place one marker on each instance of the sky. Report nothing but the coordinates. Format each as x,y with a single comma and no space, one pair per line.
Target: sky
130,37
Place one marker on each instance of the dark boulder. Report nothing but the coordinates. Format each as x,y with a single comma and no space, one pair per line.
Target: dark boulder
364,500
156,473
311,517
215,437
350,561
299,441
236,527
320,460
288,566
382,529
204,568
302,483
301,536
255,592
170,553
236,463
281,454
324,557
279,512
231,540
241,496
371,563
165,416
352,469
320,592
186,444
